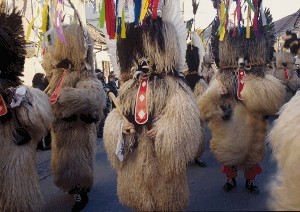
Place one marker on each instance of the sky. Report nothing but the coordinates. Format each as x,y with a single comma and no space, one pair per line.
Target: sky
206,12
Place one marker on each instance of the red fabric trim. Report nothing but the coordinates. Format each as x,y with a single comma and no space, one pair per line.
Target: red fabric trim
241,75
141,103
251,173
56,93
230,173
3,108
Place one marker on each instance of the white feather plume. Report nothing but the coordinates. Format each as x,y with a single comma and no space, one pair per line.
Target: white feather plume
196,41
172,14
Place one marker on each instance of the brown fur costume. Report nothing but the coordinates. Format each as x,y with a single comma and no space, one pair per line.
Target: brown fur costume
82,97
286,60
239,126
152,176
284,138
22,127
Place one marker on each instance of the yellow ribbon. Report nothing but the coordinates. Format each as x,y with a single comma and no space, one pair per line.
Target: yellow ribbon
123,27
31,25
248,23
223,19
144,10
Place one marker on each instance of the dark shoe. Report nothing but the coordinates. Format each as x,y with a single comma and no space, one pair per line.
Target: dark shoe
200,163
81,199
74,190
251,187
229,185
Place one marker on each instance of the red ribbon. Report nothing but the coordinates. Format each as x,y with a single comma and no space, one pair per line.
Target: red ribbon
110,17
154,9
3,109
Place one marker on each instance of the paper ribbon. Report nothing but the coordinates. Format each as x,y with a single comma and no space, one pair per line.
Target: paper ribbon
222,20
102,15
56,93
144,10
137,11
248,23
31,25
123,26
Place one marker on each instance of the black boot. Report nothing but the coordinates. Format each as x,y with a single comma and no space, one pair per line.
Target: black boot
81,199
251,187
229,185
200,163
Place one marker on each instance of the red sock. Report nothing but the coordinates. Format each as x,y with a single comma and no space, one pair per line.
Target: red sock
251,173
229,171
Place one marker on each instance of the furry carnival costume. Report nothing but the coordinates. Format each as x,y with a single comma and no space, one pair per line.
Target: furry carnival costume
152,168
194,60
77,101
240,96
25,115
284,138
286,73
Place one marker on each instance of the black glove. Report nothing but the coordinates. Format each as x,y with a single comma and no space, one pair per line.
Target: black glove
227,109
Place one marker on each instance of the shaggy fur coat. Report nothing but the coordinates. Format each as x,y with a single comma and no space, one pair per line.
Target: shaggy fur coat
284,138
82,94
152,176
293,81
19,185
239,127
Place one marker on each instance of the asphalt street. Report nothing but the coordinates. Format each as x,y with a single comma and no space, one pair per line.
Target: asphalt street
205,185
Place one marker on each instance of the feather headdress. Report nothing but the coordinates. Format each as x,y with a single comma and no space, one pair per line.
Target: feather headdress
157,32
12,48
254,43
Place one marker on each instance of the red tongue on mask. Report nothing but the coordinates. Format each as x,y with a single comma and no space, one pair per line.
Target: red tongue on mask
3,109
241,75
141,111
286,76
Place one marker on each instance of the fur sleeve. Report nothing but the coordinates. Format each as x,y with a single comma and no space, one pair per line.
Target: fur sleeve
200,87
111,134
263,95
87,97
36,116
209,102
179,135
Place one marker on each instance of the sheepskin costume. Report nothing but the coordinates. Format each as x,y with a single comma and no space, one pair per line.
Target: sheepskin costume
152,173
77,99
25,115
284,138
285,72
239,98
194,60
